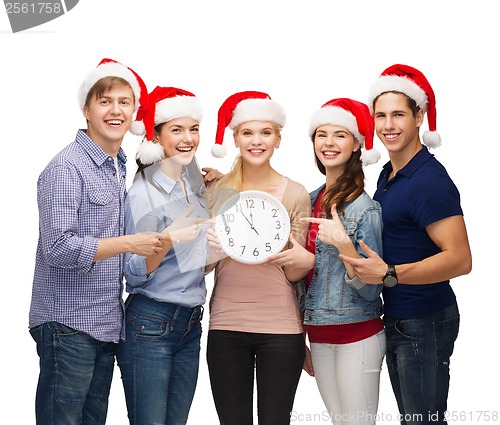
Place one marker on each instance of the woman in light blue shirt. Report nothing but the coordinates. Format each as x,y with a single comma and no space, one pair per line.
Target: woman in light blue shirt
159,358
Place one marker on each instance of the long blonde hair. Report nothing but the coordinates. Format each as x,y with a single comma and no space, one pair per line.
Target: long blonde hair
233,181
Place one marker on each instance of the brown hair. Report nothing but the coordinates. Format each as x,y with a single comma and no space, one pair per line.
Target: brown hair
104,85
350,184
410,102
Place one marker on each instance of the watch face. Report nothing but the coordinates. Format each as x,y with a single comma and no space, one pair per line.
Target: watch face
251,226
390,281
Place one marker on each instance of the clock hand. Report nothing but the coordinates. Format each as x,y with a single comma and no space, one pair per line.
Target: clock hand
249,222
251,217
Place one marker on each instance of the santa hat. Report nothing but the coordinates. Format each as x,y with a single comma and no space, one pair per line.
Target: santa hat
355,117
242,107
165,104
112,68
411,82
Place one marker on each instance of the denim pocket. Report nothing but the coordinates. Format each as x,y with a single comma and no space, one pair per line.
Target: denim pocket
410,328
445,334
61,330
150,327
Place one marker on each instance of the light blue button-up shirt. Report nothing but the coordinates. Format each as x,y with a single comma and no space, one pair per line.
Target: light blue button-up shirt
153,202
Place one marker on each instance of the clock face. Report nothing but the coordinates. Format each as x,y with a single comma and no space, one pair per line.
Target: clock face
251,226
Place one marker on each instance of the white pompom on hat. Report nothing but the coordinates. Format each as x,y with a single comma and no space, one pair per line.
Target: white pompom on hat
242,107
355,117
164,104
412,83
111,68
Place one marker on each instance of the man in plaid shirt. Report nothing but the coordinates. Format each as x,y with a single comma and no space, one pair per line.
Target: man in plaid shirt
76,314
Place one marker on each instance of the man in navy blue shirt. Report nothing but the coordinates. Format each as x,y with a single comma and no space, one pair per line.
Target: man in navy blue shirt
425,245
76,314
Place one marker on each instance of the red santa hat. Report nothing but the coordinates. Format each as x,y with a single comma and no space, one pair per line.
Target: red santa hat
412,83
111,68
164,104
355,117
242,107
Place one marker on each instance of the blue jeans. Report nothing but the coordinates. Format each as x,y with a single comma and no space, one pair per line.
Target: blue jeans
159,360
234,357
418,360
75,376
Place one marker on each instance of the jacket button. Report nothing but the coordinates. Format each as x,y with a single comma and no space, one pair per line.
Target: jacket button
309,295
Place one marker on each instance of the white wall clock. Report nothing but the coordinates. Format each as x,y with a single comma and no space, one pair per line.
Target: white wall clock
251,226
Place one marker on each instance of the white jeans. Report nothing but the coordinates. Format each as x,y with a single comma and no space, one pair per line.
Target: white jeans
348,377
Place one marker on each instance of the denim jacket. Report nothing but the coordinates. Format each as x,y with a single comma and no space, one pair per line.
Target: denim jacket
332,298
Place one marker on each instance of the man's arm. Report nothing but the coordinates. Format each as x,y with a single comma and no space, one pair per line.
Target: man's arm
139,243
455,258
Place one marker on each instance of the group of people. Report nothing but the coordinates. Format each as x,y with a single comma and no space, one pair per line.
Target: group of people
360,278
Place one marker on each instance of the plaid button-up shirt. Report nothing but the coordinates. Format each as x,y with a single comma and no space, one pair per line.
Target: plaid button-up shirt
80,200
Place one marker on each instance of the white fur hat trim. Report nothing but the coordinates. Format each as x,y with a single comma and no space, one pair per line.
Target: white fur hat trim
258,110
106,70
178,107
335,116
401,84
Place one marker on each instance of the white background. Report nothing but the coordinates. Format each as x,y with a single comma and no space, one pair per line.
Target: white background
302,54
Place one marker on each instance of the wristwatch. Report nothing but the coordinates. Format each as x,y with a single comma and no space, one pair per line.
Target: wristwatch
391,278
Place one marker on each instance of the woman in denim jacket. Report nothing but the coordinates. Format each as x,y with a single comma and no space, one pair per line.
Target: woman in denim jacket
342,315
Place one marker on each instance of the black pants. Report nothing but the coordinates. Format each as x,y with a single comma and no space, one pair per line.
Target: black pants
277,360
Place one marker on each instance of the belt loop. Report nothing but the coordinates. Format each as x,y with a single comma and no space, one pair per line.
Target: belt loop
174,317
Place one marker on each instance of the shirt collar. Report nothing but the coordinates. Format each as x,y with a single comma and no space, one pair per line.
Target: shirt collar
95,152
422,156
167,183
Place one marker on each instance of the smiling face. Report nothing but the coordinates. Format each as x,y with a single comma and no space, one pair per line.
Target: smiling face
333,146
180,138
256,141
396,125
109,116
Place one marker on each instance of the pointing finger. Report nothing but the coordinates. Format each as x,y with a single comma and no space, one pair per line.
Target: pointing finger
349,260
334,212
312,220
370,252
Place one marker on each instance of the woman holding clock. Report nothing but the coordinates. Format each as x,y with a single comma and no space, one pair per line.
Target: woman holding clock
255,323
342,315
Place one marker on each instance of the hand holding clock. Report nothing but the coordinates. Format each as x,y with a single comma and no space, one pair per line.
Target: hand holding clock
235,226
297,254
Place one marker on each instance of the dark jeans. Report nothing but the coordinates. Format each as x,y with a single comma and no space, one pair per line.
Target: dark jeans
159,360
418,360
277,360
75,376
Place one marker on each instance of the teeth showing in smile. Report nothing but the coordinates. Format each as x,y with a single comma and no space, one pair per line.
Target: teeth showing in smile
114,122
330,153
256,150
391,136
187,149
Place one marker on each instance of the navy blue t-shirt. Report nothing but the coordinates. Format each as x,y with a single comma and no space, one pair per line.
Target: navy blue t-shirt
421,193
